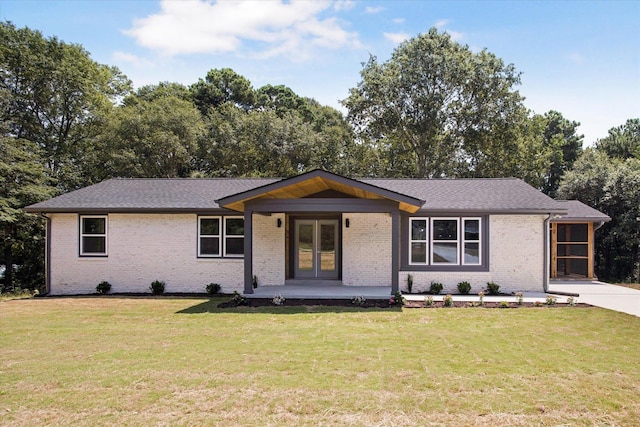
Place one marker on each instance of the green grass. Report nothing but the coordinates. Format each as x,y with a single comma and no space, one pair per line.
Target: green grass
180,361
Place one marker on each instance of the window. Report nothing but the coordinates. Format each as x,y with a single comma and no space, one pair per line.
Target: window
445,241
418,241
471,241
218,236
233,236
93,235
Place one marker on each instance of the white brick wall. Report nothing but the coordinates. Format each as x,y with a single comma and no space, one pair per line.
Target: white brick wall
366,250
269,249
142,248
516,259
147,247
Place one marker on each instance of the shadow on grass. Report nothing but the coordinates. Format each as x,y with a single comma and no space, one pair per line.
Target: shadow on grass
211,306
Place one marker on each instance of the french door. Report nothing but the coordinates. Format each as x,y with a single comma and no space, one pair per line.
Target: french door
316,247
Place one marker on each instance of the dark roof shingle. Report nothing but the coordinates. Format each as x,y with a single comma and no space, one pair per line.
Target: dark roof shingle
173,195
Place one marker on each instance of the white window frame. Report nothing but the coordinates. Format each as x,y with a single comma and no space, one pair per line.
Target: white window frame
232,236
219,236
465,241
433,240
425,241
103,235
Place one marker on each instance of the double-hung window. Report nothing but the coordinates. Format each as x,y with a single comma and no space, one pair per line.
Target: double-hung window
93,235
220,236
445,241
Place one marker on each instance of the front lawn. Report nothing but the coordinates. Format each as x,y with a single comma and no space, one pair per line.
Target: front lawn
181,361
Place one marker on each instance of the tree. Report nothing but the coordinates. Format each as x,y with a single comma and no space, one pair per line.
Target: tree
623,141
438,99
22,182
561,137
151,136
57,95
221,86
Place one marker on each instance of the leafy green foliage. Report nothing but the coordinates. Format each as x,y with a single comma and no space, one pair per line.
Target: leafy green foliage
435,288
440,110
493,288
103,287
213,288
464,287
157,287
611,185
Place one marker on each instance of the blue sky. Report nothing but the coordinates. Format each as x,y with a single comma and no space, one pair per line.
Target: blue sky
581,58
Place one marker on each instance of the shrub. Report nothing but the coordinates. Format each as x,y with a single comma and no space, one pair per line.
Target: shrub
493,288
157,287
464,288
359,300
503,304
428,301
235,301
396,299
519,298
571,301
103,287
447,300
551,300
435,288
278,299
410,283
481,298
213,288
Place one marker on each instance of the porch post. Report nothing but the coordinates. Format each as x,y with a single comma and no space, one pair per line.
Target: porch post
395,251
248,251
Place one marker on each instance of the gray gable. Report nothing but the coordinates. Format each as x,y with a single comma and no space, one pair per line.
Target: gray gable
200,195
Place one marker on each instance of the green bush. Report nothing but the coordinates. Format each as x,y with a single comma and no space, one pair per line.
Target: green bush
103,287
493,288
157,287
213,288
464,288
435,288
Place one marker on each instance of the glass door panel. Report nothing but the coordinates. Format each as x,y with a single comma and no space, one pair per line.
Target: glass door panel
316,249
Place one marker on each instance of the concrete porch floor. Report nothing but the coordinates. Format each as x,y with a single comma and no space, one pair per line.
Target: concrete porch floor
311,291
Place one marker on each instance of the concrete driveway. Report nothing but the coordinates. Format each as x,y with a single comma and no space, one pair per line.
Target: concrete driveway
603,295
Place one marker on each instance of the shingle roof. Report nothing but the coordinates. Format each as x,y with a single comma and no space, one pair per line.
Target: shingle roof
579,211
172,195
486,194
124,194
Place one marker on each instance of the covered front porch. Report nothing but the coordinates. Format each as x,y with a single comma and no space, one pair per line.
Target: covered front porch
321,291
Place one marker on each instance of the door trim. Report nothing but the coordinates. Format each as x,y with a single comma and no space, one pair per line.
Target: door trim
292,246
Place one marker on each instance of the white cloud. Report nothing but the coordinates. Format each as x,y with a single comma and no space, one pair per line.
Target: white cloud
398,20
373,10
441,23
397,37
201,26
341,5
136,61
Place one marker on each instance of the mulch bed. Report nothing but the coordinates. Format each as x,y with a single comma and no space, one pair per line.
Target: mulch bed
267,302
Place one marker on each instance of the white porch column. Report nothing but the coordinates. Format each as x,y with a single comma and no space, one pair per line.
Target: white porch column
248,251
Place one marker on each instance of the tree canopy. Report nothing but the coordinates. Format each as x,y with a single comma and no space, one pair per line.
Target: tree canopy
435,108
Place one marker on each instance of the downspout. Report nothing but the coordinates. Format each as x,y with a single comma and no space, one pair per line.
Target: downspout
547,260
47,254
